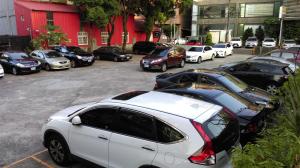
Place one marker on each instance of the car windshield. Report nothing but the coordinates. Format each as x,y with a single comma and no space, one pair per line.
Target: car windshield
289,41
197,49
64,50
269,40
117,50
236,39
233,83
219,46
231,103
18,55
251,39
160,52
52,54
76,50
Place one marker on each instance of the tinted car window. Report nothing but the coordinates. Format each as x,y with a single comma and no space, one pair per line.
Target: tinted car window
76,50
288,55
188,78
219,46
101,118
167,134
231,103
197,49
52,55
160,52
241,67
233,83
275,54
18,55
135,124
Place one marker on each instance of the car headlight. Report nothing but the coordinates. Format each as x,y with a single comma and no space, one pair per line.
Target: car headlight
20,65
156,61
79,57
122,55
39,63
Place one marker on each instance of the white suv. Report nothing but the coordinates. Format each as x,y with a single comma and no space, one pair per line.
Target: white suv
251,42
236,42
143,130
269,42
1,71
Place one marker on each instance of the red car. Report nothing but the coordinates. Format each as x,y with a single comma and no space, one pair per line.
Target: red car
292,56
194,43
164,57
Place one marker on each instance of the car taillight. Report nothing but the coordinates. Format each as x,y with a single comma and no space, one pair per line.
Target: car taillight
206,155
252,128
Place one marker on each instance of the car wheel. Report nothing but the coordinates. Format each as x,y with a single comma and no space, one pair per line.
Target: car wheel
115,59
272,88
73,64
213,57
14,71
199,60
59,150
182,63
47,67
164,67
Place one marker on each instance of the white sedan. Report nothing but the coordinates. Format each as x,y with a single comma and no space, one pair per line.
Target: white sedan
199,54
223,49
1,71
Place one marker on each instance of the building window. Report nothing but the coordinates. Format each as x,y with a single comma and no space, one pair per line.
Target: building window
82,38
50,18
22,18
123,35
104,37
257,10
216,11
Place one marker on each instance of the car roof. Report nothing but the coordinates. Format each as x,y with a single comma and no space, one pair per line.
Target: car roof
199,89
209,72
11,51
44,51
171,104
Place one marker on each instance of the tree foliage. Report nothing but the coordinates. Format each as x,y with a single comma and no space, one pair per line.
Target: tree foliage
248,33
208,40
272,27
260,34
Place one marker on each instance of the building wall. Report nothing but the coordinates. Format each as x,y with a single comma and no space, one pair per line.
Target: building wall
23,20
7,18
212,14
293,9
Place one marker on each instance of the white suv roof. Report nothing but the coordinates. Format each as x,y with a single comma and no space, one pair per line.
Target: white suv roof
171,104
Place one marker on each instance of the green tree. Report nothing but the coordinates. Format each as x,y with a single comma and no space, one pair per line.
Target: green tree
272,27
51,35
208,40
291,30
260,34
248,33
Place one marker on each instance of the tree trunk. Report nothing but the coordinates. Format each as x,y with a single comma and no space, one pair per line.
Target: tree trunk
110,29
125,19
149,23
90,40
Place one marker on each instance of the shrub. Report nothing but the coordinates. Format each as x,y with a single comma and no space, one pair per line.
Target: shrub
208,40
248,33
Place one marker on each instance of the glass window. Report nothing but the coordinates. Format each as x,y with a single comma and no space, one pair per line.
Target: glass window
52,55
286,55
188,78
104,37
242,10
231,103
18,56
259,10
136,124
213,11
82,38
219,46
50,20
275,54
160,52
101,118
233,83
167,134
197,49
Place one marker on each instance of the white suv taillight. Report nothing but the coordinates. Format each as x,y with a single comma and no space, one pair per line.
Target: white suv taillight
206,155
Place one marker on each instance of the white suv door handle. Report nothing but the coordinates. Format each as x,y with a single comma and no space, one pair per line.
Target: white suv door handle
147,148
102,137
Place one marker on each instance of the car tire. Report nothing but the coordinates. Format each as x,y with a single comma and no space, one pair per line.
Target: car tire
47,67
59,150
213,57
164,67
15,71
182,64
199,60
272,88
73,64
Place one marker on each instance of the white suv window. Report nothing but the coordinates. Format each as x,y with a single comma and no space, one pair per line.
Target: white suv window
167,134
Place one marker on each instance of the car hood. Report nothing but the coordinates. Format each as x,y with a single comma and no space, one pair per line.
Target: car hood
68,112
57,59
27,61
192,53
152,57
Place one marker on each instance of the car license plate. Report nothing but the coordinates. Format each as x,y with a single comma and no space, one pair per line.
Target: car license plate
33,68
146,65
89,60
128,57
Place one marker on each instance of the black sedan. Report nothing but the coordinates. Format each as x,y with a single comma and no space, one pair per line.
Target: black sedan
215,79
18,63
260,74
112,54
252,118
76,55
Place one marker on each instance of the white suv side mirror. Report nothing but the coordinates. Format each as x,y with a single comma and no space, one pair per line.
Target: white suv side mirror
76,120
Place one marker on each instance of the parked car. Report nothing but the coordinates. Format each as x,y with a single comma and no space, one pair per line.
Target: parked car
277,60
76,55
17,62
269,42
199,54
294,49
252,118
236,42
291,56
219,80
251,42
180,41
1,71
193,43
260,74
139,129
223,49
143,47
287,43
50,59
111,53
164,57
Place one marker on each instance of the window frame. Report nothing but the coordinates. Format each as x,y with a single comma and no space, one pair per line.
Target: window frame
104,37
50,19
81,37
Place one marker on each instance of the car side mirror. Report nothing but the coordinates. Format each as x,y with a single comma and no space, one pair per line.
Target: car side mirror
76,120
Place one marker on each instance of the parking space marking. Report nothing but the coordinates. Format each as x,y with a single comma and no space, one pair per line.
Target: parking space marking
41,162
22,160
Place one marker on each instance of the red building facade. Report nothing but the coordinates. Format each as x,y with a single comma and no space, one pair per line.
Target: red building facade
32,17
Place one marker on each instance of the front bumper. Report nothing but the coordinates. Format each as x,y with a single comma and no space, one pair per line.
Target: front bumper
250,45
151,66
85,62
29,69
1,73
191,59
221,54
236,45
269,45
60,66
